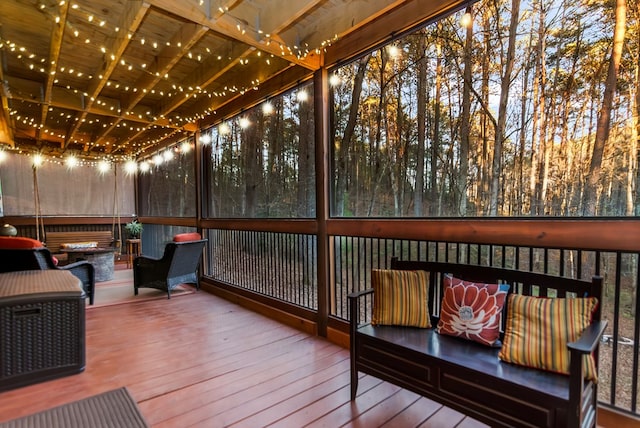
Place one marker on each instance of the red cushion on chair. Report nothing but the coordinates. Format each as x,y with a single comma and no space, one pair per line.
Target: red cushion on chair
190,236
18,242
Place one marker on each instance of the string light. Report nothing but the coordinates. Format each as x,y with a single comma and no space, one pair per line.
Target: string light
37,160
302,96
104,166
37,63
167,155
71,162
205,139
244,123
467,19
394,51
130,167
267,108
224,128
185,147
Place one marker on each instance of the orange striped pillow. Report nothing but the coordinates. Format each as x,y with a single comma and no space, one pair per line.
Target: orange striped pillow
538,330
400,298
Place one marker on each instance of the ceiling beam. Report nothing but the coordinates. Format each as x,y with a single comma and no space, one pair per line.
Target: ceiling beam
131,20
280,81
57,33
204,76
230,27
405,16
6,131
187,36
25,90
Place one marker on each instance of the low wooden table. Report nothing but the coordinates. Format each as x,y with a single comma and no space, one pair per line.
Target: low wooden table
101,259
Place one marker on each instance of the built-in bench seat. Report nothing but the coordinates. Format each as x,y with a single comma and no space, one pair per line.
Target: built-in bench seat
468,376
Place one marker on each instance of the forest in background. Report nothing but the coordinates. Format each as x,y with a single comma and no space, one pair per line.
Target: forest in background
531,109
527,111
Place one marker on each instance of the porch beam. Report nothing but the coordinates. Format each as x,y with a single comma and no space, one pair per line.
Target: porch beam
588,234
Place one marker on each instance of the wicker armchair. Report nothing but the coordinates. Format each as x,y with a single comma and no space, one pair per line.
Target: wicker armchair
178,265
12,260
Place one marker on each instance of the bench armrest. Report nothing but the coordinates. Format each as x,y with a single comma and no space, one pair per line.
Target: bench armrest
589,339
358,294
354,307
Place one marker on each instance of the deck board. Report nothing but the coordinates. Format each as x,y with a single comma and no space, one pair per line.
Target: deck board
198,360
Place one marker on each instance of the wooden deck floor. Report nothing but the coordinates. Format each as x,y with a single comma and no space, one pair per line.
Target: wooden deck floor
198,360
201,361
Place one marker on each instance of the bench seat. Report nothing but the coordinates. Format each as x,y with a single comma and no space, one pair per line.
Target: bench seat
468,376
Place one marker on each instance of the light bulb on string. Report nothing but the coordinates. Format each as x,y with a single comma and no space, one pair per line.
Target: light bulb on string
205,138
144,167
185,147
302,96
467,19
37,160
71,162
224,128
130,167
267,108
104,166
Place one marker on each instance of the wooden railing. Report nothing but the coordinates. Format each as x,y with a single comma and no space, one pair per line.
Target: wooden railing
277,268
280,265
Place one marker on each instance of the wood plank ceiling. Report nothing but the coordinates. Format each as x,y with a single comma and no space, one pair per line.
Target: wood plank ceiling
117,78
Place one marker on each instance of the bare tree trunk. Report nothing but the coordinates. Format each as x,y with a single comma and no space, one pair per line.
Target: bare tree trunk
251,152
505,85
465,126
485,162
604,117
633,176
306,165
435,142
520,188
343,149
538,133
421,118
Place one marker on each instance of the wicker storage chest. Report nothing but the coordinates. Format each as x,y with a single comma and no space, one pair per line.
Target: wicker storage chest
42,326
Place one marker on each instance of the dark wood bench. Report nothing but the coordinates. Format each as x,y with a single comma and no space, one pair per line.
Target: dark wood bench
54,240
468,376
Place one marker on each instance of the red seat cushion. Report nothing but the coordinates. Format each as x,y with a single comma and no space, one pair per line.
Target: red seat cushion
190,236
19,242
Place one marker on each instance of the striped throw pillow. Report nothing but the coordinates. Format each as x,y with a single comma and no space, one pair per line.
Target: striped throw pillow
400,298
538,330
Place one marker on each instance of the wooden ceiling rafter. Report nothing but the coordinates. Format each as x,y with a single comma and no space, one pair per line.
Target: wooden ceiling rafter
6,132
227,25
180,44
64,88
131,19
57,34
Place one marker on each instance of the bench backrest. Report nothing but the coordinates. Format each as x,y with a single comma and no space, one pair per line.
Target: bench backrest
104,238
521,282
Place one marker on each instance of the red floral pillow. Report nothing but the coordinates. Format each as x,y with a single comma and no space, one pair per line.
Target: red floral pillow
472,310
